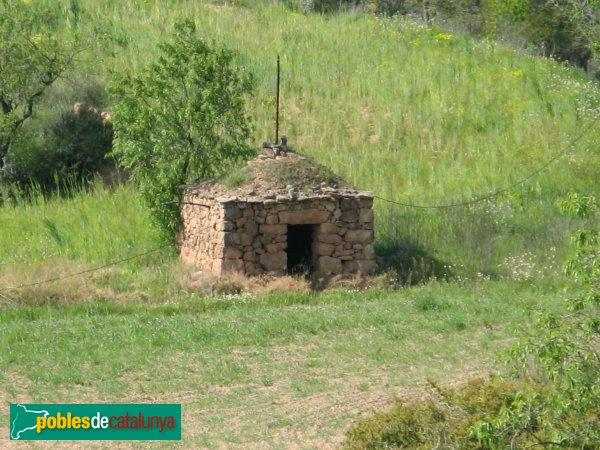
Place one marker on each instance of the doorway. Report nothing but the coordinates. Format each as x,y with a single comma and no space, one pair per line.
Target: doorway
299,249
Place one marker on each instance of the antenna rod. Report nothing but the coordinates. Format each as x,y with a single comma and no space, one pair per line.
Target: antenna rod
277,106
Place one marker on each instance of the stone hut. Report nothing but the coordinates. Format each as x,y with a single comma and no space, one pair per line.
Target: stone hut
279,214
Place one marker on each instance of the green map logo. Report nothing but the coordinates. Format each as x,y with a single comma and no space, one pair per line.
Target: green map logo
95,421
23,420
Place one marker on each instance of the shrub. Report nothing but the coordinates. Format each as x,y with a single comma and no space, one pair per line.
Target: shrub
183,118
72,146
441,422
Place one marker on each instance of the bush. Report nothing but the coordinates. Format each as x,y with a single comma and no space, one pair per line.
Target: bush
72,146
561,349
183,118
442,422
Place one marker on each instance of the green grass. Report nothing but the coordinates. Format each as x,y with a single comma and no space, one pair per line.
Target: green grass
412,113
90,225
282,369
391,106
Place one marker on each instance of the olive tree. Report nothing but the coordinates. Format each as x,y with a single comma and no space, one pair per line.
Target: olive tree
35,51
181,119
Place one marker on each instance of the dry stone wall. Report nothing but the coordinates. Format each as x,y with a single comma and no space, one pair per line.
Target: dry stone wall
250,235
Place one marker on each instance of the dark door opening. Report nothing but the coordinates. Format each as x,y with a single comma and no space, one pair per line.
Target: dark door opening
299,249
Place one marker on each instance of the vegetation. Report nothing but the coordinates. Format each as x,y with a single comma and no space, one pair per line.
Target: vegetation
274,370
558,358
34,55
444,420
181,119
561,350
412,110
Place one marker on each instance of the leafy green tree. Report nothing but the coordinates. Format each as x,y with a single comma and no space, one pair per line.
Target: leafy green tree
33,57
563,351
181,119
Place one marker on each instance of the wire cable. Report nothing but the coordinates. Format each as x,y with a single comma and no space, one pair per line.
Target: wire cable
83,272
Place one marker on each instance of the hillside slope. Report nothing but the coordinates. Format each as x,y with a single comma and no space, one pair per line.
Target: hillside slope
413,114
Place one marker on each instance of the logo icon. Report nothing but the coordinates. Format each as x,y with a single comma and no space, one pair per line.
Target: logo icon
24,420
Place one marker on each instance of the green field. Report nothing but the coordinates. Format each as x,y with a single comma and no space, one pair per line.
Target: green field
283,370
411,113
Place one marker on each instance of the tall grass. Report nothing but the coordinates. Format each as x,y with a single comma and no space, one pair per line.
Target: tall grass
409,112
95,225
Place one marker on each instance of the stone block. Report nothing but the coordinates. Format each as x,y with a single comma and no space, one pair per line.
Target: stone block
273,261
232,253
365,215
231,239
349,216
250,267
272,219
304,217
224,226
231,212
233,265
328,228
349,204
328,238
329,265
276,247
321,249
251,228
273,229
369,251
246,239
249,256
359,236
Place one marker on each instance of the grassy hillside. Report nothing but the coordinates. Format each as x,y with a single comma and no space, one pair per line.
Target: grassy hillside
414,114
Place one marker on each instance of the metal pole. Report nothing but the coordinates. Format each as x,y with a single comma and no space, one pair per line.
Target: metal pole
277,105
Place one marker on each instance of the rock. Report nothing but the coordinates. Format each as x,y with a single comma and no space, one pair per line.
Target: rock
328,228
225,226
321,249
359,236
273,261
250,267
232,213
232,253
233,265
231,239
273,229
369,251
329,265
365,215
349,216
348,204
328,238
308,216
246,239
272,219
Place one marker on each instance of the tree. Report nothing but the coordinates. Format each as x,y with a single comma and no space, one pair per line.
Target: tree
33,58
563,351
182,118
